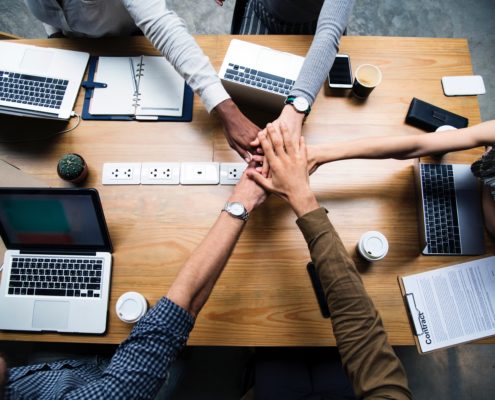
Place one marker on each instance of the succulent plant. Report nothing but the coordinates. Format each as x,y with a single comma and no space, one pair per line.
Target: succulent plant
72,168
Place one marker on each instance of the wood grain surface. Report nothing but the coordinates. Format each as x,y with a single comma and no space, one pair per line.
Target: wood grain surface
264,296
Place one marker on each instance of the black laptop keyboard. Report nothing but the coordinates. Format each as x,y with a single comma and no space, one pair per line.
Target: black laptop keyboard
258,79
69,277
33,90
439,202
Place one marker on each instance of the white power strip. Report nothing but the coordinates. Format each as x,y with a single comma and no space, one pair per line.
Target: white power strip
160,173
121,174
199,173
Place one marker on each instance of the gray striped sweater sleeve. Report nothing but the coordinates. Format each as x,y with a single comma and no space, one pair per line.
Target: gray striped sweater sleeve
332,22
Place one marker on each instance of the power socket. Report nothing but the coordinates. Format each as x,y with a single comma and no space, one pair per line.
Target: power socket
230,173
160,173
121,174
197,173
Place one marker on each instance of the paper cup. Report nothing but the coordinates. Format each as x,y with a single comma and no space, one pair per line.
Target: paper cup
372,246
131,306
366,78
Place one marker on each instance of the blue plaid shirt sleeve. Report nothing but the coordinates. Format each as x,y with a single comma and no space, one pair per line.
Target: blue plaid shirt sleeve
139,367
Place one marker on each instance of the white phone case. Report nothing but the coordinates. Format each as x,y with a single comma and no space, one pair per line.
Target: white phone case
463,85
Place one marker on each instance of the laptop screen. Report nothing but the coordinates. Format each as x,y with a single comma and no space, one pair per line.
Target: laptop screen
53,219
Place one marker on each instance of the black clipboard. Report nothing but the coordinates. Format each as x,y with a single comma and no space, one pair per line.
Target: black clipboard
90,84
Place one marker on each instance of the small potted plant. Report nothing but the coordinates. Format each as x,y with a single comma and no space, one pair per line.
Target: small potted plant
72,168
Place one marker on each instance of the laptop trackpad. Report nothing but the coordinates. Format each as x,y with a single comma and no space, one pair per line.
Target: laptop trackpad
38,60
51,315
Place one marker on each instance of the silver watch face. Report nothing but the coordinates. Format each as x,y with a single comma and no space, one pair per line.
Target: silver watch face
301,104
236,209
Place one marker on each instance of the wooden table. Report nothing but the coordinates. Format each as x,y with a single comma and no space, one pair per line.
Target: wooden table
264,297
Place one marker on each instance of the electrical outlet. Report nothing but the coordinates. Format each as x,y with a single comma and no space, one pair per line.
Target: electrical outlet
121,174
230,173
199,173
160,173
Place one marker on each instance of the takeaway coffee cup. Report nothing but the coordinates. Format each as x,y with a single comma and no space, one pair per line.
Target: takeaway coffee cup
372,246
131,306
445,128
366,78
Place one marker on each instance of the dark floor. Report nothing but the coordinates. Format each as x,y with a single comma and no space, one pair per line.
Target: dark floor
465,372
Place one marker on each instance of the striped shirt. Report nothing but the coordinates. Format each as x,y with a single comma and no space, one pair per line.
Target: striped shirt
327,20
136,371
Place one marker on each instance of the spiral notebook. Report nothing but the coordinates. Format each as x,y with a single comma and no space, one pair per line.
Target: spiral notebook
141,88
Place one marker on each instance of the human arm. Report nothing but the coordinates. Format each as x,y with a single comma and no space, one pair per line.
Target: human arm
141,362
368,359
168,33
403,147
333,19
197,277
239,130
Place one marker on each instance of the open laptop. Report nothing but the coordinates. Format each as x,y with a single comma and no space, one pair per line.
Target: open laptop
449,206
39,82
56,271
259,75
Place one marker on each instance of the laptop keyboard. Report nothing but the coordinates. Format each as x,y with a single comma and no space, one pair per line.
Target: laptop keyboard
439,202
68,277
258,79
32,90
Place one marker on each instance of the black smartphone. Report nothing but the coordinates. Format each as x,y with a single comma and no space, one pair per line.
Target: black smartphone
320,294
340,75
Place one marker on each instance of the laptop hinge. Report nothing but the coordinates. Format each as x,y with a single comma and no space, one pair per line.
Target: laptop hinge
60,253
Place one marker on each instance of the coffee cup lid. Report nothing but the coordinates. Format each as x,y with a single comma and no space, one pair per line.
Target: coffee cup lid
374,244
131,306
444,128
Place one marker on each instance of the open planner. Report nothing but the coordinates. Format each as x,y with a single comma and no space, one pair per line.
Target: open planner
142,88
451,305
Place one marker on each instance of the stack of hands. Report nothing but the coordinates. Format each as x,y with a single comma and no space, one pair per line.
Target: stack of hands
284,170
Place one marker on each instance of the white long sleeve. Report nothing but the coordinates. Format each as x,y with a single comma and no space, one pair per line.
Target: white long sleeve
166,31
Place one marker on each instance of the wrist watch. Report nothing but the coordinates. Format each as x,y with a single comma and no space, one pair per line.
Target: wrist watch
300,104
236,210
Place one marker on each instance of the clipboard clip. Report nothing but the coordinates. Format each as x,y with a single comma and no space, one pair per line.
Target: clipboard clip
416,314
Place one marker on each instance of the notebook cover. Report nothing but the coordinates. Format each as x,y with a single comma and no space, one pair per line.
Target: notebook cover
187,106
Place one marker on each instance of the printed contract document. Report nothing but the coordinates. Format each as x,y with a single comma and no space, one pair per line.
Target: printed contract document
452,305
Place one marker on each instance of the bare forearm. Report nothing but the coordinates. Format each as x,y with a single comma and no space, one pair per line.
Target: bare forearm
197,277
405,147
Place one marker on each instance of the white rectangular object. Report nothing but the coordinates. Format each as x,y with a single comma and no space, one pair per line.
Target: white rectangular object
121,174
463,85
40,65
160,173
230,173
452,305
198,173
75,238
259,75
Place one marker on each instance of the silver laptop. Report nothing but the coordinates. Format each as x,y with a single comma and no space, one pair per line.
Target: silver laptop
449,205
56,271
259,75
39,82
